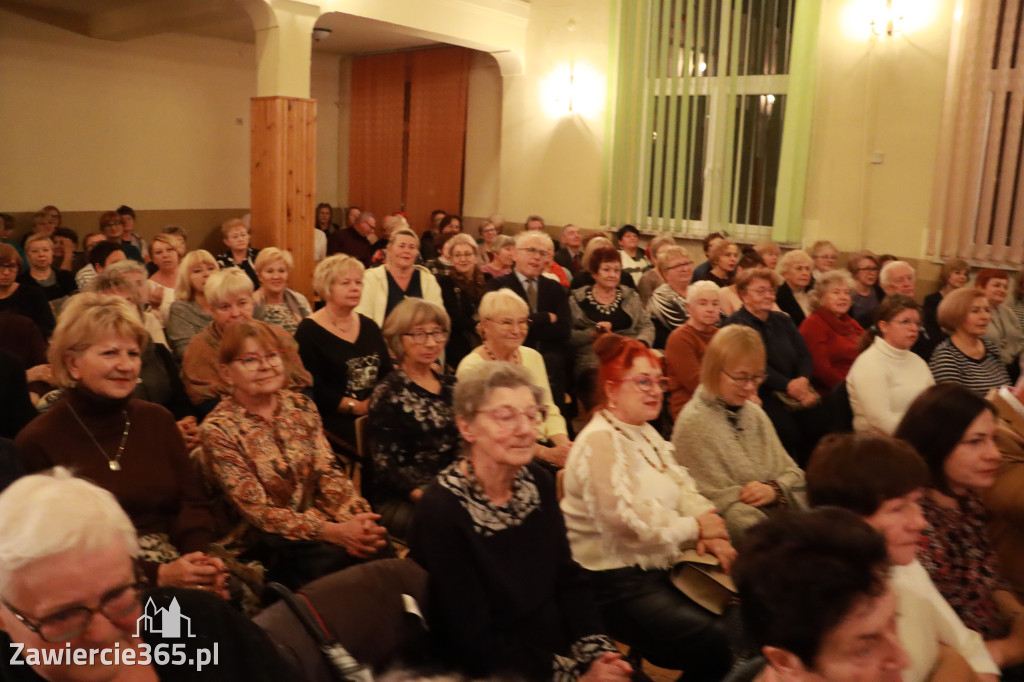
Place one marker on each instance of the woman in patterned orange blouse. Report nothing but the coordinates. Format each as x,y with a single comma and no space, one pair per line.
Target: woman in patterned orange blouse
267,449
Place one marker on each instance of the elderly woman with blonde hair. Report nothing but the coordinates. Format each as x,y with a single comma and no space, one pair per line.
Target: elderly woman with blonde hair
165,252
343,350
727,442
399,278
686,345
67,555
128,446
190,312
411,426
667,303
230,296
504,322
832,336
277,303
461,291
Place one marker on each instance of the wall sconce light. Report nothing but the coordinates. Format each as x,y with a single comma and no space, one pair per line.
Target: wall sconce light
576,90
887,18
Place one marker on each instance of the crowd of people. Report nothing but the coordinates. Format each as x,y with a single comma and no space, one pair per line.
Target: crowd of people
547,427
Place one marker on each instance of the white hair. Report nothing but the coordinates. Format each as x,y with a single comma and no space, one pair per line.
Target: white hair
704,286
527,235
227,283
50,513
886,273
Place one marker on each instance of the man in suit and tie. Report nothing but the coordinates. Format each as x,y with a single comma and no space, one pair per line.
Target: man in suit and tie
550,319
570,256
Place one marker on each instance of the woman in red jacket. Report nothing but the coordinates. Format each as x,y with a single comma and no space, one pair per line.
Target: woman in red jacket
831,334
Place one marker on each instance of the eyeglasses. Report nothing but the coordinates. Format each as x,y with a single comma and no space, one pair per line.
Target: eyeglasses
420,338
535,252
507,417
647,384
687,264
8,266
71,622
117,224
511,325
868,269
746,379
761,291
254,362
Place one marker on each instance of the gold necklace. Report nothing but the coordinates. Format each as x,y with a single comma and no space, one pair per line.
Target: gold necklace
337,326
660,466
115,463
517,359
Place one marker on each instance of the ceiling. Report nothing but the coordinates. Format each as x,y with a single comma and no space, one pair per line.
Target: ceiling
225,19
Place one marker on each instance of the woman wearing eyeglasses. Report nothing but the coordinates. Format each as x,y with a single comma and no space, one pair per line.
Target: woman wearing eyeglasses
630,509
411,425
504,323
70,587
507,600
886,376
461,290
266,447
727,442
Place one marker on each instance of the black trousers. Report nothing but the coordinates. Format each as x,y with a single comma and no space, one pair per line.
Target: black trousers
644,610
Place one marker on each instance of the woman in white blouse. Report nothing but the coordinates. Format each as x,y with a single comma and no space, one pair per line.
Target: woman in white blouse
629,511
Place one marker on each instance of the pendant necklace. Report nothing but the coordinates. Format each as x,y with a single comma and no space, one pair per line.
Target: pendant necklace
115,463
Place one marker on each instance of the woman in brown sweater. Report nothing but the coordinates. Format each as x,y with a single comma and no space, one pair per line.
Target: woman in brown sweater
685,347
130,447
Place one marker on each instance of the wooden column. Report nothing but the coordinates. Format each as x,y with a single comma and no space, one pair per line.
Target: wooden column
283,153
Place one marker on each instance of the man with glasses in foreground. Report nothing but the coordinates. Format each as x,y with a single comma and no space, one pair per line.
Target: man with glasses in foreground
72,604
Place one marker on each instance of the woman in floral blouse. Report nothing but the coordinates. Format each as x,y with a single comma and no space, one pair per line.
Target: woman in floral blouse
411,425
953,429
267,449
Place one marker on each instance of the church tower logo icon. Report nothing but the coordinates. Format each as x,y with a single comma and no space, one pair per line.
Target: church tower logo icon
164,621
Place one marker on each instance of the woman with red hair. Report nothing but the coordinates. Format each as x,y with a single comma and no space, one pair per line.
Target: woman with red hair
630,509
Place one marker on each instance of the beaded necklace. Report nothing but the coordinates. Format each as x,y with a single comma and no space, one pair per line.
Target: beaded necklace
660,466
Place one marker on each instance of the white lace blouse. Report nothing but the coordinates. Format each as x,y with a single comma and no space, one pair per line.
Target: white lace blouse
627,502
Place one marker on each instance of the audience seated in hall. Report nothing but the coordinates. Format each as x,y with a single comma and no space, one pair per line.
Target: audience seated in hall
786,394
953,429
461,291
629,509
355,240
882,480
584,278
726,441
67,545
504,324
56,284
411,427
1002,331
239,252
113,229
652,279
730,298
684,350
667,304
230,296
794,296
165,253
387,286
887,376
770,252
29,301
85,271
129,237
266,446
601,308
832,336
128,446
816,601
342,350
550,317
504,256
952,276
507,600
276,302
965,356
190,312
449,226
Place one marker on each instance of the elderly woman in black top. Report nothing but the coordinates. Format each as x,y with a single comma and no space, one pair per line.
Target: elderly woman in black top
461,290
343,350
506,596
786,392
411,425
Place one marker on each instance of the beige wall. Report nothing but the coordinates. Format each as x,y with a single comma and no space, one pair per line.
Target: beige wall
877,95
160,123
481,184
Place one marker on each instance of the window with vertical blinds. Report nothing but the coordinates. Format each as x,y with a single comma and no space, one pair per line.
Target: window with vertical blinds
978,205
703,128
